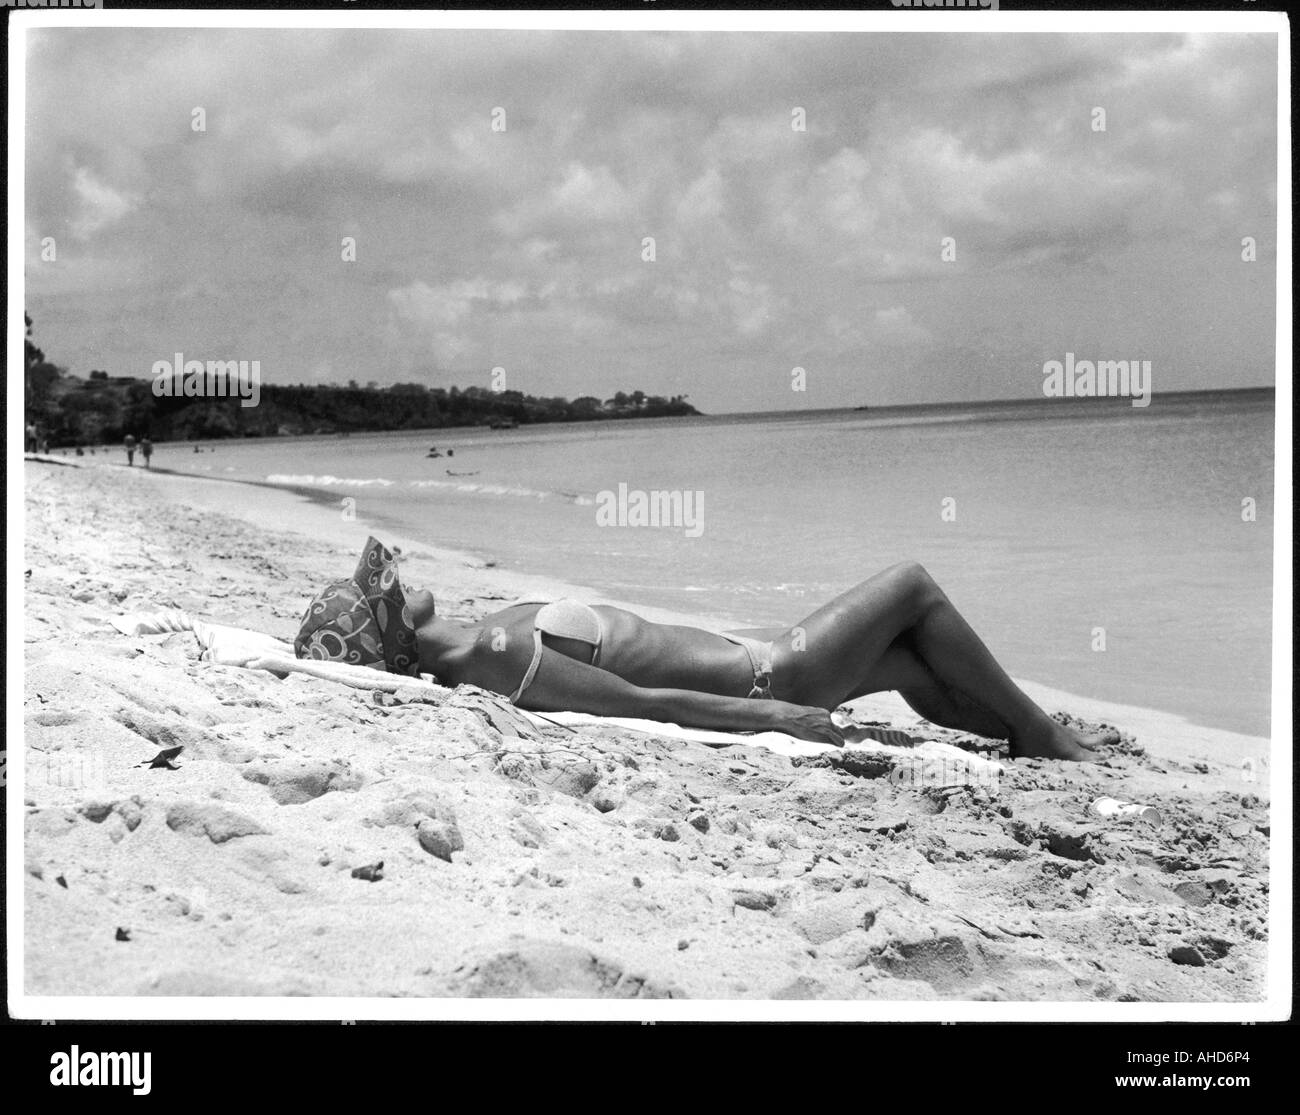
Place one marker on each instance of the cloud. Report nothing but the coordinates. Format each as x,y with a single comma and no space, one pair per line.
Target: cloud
449,304
524,245
100,206
894,326
449,318
751,306
579,197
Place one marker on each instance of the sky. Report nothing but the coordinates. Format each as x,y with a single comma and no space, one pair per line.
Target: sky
523,247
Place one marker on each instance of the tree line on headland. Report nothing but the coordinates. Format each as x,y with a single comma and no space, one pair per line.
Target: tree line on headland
100,409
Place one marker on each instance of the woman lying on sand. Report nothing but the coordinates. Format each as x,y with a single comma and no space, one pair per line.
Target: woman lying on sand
895,631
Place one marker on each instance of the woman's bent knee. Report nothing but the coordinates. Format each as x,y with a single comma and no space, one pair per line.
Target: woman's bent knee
910,569
915,584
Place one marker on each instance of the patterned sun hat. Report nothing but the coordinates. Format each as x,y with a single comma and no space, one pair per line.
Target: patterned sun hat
364,621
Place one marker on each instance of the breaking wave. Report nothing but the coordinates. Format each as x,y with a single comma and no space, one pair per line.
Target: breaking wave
462,487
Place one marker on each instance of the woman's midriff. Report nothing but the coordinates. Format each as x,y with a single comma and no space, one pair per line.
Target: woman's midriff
664,656
649,655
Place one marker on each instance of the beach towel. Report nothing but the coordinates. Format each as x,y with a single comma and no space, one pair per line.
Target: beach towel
882,741
236,646
774,741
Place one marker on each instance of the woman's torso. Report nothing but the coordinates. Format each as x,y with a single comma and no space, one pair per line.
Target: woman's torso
649,655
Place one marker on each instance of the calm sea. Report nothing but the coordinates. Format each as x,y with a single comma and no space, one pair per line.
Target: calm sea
1057,526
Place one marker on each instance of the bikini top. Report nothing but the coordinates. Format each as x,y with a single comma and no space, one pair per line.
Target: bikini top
563,619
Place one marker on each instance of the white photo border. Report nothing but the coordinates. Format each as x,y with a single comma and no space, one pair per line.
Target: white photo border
1277,1003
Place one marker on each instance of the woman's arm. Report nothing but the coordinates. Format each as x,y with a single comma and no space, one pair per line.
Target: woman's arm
564,684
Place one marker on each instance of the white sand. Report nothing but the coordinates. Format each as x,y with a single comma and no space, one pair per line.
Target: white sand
613,865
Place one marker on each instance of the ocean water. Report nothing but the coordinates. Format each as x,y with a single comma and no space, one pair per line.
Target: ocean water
1096,547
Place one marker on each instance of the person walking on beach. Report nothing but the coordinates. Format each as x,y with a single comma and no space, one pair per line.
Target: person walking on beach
146,450
32,437
896,630
129,442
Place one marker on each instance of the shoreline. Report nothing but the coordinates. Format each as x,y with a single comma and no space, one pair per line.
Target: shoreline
306,511
1208,667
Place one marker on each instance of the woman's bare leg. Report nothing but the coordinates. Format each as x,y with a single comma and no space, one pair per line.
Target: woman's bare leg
833,653
902,671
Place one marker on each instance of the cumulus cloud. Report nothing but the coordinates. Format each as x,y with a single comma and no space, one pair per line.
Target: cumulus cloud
450,303
894,325
100,204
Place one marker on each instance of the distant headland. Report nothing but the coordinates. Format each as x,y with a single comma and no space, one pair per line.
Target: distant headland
70,410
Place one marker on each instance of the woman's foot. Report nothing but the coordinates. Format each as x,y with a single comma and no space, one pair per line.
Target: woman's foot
1054,740
1102,733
